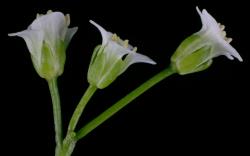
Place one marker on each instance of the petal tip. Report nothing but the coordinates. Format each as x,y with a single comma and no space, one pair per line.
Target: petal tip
96,25
93,22
197,9
12,34
105,34
153,62
75,28
240,59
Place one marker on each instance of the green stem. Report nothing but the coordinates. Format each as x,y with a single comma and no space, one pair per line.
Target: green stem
56,110
70,141
80,107
123,102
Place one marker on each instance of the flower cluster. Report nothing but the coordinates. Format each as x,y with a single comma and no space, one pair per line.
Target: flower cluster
49,35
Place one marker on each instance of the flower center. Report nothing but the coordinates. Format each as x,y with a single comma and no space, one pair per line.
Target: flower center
122,43
224,34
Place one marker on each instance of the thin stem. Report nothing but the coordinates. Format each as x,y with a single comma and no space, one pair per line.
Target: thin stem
123,102
56,110
80,107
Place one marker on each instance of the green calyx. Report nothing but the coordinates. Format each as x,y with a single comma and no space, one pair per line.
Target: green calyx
193,55
104,67
51,62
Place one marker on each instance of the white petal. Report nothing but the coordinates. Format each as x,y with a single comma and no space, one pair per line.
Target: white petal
106,36
134,57
33,39
208,22
229,56
224,48
214,34
113,49
53,25
70,33
203,21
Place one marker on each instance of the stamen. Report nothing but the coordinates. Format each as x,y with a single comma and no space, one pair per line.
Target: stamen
223,33
222,27
228,40
135,49
115,37
37,15
49,11
67,18
125,43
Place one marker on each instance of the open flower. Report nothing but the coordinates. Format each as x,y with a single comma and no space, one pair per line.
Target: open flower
112,58
47,39
196,52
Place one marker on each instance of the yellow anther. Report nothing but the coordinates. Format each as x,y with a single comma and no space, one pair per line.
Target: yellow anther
125,43
135,49
223,33
222,27
115,37
67,19
228,40
49,11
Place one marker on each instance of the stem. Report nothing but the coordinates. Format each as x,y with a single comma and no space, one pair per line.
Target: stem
56,110
123,102
80,107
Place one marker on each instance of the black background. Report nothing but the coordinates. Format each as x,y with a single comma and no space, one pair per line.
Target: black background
202,113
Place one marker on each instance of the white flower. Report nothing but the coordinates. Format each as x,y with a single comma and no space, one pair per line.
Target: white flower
112,58
214,32
196,52
47,39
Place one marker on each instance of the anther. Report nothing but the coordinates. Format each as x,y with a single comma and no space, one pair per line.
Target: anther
222,27
135,49
114,37
125,43
223,33
49,11
228,40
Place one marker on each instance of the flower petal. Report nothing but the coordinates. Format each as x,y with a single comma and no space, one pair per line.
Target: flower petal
115,50
53,25
203,20
105,34
134,57
208,22
70,33
211,27
33,39
224,48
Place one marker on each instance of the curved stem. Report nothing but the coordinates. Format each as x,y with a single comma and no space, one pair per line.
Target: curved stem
80,107
56,110
123,102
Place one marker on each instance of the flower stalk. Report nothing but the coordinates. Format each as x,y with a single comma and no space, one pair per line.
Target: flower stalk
80,107
56,112
124,102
